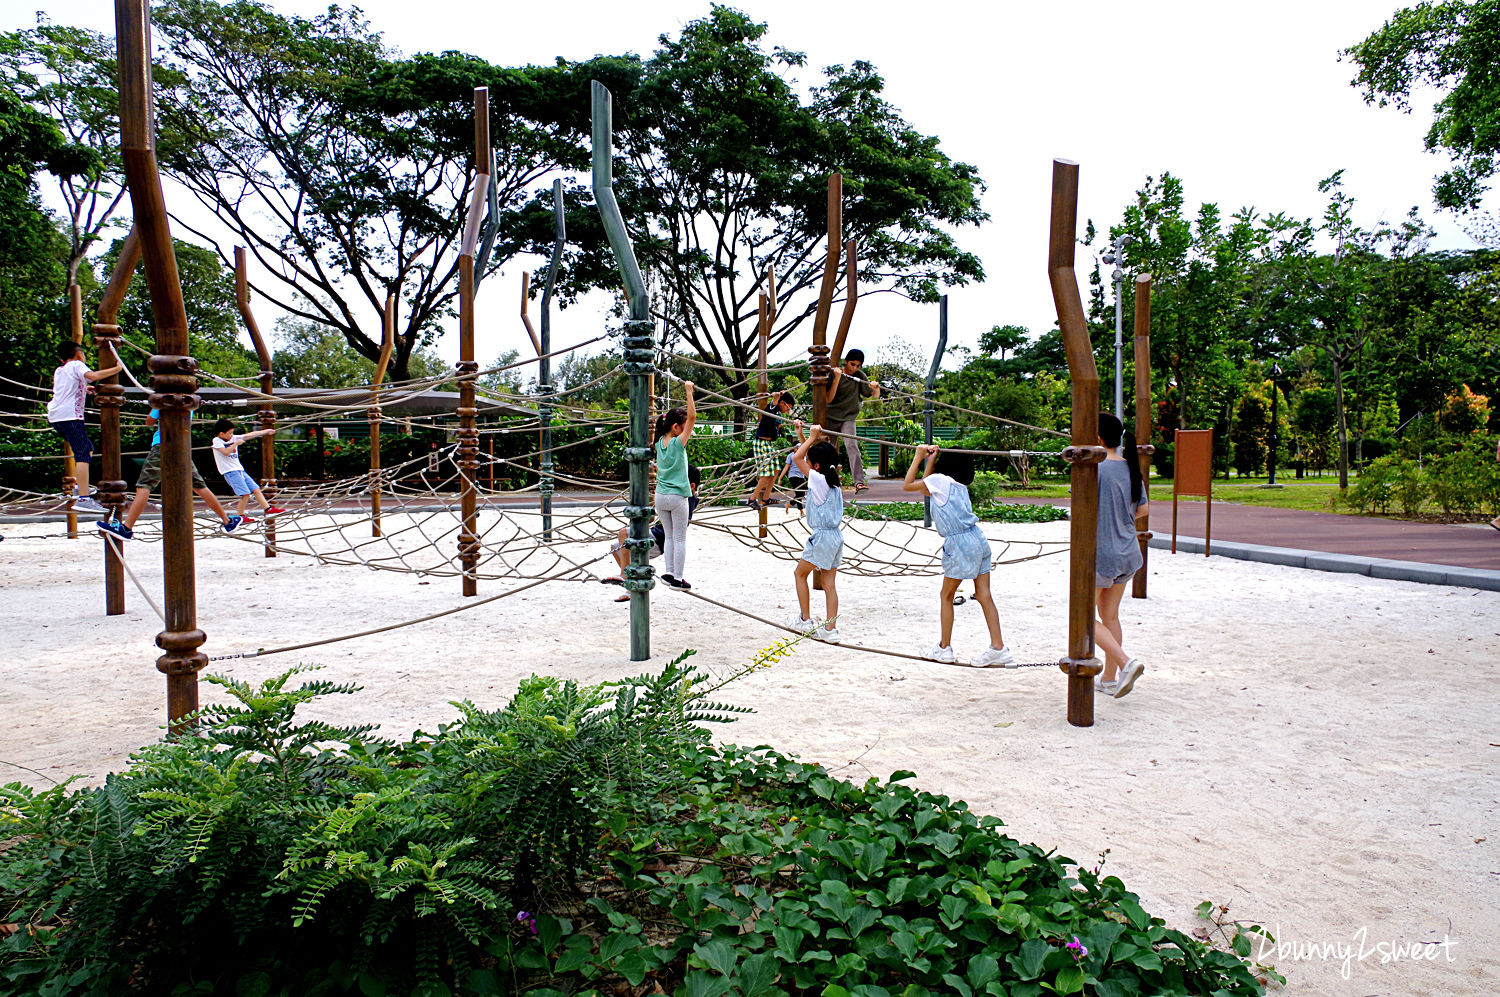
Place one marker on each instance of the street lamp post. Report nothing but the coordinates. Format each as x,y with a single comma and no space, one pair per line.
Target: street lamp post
1275,424
1116,256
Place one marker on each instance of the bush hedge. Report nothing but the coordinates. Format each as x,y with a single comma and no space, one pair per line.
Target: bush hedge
579,840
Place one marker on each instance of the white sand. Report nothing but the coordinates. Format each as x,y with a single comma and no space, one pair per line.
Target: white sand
1316,750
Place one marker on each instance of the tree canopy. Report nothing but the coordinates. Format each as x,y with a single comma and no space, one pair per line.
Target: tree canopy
1453,45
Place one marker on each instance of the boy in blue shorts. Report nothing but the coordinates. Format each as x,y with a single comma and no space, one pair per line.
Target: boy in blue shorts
226,447
150,480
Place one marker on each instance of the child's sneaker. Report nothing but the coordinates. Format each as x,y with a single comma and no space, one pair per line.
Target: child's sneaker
232,524
797,623
827,635
116,527
994,658
1104,688
938,653
246,521
1132,671
274,510
87,504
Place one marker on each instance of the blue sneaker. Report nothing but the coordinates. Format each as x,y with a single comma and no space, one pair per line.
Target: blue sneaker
116,527
233,524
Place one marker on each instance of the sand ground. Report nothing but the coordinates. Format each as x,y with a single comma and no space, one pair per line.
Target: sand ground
1319,751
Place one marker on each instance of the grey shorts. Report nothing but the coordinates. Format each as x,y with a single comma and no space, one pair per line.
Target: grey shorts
1106,582
150,478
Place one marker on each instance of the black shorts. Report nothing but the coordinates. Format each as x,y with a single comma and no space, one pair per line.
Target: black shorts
72,430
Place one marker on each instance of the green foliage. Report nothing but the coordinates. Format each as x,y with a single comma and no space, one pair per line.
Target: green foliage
1465,478
991,513
718,138
1250,431
314,859
984,487
1449,45
259,854
212,315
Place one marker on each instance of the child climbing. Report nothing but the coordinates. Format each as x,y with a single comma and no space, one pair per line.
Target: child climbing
1122,494
226,447
764,447
673,429
818,460
966,551
658,533
70,387
150,480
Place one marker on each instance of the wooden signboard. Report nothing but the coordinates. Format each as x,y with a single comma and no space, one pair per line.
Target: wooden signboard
1192,474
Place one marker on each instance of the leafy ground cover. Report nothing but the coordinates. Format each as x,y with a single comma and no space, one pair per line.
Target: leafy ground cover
991,512
580,840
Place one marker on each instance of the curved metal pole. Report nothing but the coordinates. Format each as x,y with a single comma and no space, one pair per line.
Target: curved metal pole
544,382
267,413
638,341
1085,453
930,391
173,372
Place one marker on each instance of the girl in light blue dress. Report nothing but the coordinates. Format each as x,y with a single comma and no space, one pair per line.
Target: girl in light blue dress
966,550
819,461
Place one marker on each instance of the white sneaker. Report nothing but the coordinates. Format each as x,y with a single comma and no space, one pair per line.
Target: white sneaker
1132,671
994,658
87,505
1104,688
943,654
797,623
829,636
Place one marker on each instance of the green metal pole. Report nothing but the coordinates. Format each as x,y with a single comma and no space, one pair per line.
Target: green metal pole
638,356
544,379
930,392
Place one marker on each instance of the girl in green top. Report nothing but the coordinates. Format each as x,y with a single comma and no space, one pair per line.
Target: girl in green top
673,428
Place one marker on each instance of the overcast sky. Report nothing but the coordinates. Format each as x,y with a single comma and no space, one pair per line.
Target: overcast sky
1247,104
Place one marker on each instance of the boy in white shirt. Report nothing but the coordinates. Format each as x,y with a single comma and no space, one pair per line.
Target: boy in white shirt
226,447
70,388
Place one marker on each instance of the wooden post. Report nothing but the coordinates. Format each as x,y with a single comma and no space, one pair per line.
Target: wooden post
1143,423
763,383
468,434
70,470
387,343
820,374
929,392
1085,453
173,381
851,298
266,412
111,395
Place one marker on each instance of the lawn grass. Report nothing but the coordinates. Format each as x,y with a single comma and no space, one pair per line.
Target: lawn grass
1310,496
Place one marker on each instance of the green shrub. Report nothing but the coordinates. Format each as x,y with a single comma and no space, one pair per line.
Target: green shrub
1410,487
985,487
579,839
1373,490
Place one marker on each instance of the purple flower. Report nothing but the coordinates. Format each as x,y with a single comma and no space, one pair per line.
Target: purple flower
1078,949
528,919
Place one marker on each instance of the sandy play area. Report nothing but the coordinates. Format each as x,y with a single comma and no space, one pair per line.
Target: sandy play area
1319,751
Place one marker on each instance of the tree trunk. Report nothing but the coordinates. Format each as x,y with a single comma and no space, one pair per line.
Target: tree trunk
1338,394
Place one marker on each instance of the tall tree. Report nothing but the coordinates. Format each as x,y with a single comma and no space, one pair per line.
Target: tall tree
1453,45
725,172
33,253
70,75
346,170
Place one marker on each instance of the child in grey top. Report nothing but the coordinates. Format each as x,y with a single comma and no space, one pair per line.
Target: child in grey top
1122,493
